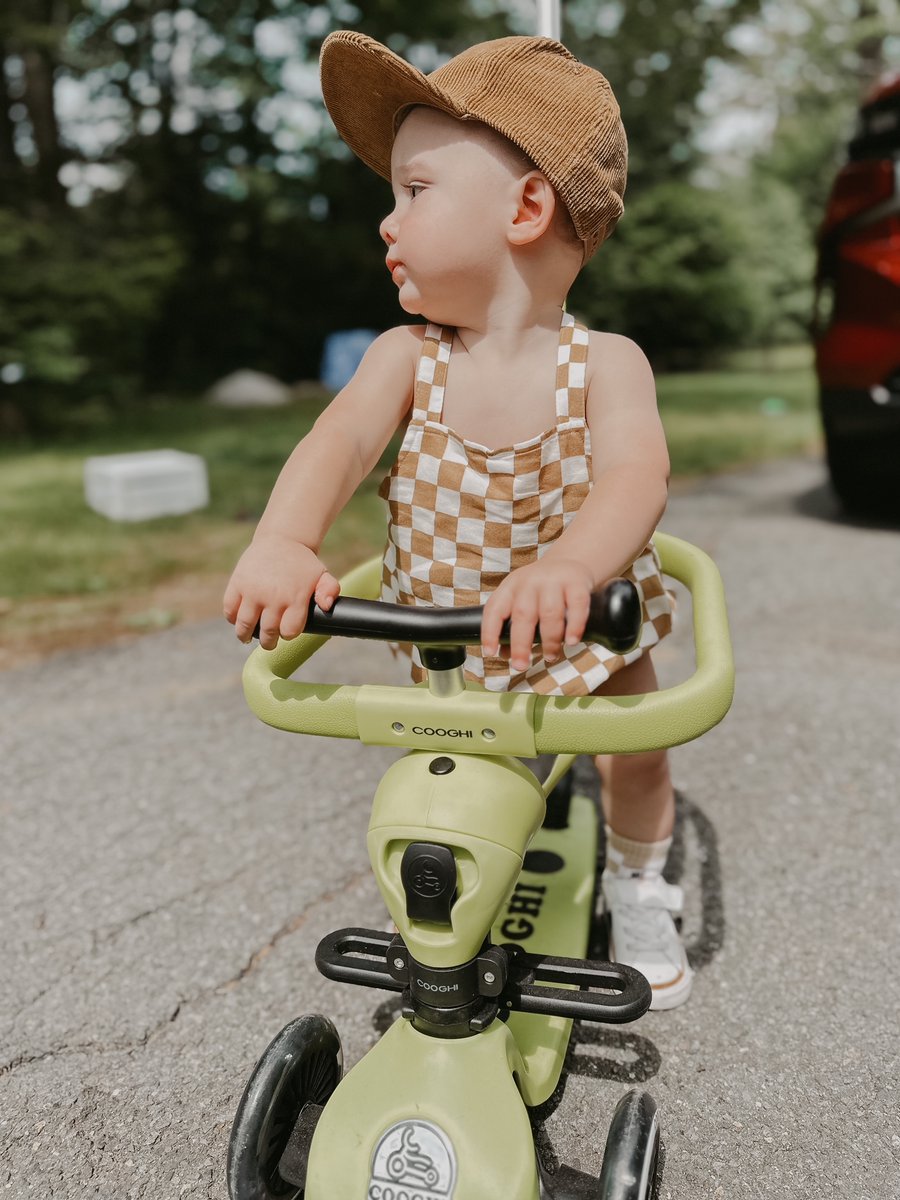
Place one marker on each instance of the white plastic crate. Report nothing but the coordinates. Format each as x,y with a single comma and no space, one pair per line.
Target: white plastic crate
151,483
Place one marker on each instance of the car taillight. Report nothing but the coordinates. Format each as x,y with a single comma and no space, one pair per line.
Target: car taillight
859,186
875,248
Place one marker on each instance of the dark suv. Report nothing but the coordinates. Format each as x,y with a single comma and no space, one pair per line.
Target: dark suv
857,327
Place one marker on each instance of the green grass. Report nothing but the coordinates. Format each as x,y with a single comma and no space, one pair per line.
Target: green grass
51,543
718,420
61,563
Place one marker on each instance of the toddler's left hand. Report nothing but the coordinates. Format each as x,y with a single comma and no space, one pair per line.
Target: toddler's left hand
548,601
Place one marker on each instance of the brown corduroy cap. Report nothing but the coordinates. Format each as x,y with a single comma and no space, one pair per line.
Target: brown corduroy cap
532,90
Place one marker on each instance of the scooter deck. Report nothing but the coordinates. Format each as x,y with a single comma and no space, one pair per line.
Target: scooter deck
550,912
424,1118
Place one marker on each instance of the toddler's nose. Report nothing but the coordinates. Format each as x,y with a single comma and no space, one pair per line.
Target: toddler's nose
388,229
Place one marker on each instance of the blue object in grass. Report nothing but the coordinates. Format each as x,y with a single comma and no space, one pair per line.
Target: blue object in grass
342,354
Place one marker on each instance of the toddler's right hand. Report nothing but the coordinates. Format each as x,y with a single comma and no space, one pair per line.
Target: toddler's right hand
272,584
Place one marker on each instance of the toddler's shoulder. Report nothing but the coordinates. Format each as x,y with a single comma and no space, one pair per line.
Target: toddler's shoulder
399,342
614,360
618,378
611,349
392,356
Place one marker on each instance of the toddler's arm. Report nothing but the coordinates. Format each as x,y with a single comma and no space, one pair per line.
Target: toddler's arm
631,470
281,570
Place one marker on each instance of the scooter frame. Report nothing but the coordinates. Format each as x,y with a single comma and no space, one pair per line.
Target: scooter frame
438,1109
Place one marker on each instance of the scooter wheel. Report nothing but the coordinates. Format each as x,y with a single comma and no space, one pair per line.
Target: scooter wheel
301,1066
632,1146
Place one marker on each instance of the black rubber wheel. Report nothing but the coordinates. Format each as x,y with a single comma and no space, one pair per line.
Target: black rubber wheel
846,466
632,1146
301,1066
863,473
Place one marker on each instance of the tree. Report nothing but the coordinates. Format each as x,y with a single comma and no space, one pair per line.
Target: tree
655,54
672,277
807,65
190,141
31,149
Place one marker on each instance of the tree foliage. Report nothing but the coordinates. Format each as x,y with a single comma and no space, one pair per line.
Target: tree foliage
809,64
670,278
747,245
176,203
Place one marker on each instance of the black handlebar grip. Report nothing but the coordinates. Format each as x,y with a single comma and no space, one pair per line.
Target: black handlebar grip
616,617
615,620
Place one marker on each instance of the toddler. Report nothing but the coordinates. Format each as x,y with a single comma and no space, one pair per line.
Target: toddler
534,466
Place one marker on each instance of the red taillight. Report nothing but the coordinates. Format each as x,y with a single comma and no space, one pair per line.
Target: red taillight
859,186
879,252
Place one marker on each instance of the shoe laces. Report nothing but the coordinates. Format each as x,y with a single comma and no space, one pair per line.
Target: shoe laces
643,910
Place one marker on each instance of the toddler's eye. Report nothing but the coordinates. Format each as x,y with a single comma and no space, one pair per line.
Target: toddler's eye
413,189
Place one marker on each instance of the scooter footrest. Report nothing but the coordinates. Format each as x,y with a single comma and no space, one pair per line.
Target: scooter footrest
358,956
624,994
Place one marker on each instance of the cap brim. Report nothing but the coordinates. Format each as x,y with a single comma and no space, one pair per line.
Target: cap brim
366,87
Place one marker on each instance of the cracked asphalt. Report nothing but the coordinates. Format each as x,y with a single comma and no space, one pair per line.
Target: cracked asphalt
168,865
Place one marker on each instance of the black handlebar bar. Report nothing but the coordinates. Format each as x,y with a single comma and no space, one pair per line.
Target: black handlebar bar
614,620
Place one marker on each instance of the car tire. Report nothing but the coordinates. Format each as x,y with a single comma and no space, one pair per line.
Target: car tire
863,474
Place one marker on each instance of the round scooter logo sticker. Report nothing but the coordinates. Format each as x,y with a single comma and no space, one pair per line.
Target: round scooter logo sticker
414,1160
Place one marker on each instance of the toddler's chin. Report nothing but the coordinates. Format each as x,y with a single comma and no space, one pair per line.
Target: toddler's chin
411,304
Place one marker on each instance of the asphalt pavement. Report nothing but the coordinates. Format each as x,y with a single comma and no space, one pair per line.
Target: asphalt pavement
168,865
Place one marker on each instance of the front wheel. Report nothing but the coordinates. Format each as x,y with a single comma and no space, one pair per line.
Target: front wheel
299,1070
632,1146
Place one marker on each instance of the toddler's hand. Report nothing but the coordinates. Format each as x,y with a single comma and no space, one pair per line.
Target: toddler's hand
547,598
272,584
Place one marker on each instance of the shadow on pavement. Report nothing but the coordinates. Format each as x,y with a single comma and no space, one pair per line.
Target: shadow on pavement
821,504
692,822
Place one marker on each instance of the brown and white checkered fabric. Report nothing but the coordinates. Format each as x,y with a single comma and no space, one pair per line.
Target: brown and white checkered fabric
461,517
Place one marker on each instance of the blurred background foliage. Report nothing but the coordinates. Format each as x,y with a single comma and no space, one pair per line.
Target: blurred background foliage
174,203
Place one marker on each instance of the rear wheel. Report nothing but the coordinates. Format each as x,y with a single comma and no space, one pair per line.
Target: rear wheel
863,472
291,1082
632,1146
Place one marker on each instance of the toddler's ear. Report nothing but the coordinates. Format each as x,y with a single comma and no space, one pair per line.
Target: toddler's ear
535,206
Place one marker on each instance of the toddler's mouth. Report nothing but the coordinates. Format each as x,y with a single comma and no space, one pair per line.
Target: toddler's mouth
394,265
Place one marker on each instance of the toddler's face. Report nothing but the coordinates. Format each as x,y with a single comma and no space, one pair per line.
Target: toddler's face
455,191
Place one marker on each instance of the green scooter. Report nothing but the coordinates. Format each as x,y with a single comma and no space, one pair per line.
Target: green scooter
490,879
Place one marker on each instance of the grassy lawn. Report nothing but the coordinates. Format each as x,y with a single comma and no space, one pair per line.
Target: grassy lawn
70,577
761,407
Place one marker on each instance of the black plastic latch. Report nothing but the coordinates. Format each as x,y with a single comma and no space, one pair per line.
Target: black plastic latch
428,875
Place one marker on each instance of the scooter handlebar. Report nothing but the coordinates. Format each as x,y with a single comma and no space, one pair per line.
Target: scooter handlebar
588,724
568,724
614,620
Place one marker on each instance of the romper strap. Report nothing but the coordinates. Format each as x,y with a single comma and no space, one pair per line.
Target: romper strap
431,374
570,369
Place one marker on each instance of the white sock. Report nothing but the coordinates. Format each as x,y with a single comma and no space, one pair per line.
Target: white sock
628,859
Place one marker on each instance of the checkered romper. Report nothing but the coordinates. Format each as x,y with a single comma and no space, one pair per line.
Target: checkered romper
461,517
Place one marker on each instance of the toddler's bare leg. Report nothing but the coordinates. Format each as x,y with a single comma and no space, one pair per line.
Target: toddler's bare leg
639,806
638,800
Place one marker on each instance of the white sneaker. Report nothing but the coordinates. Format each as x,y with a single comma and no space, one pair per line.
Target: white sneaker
643,935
